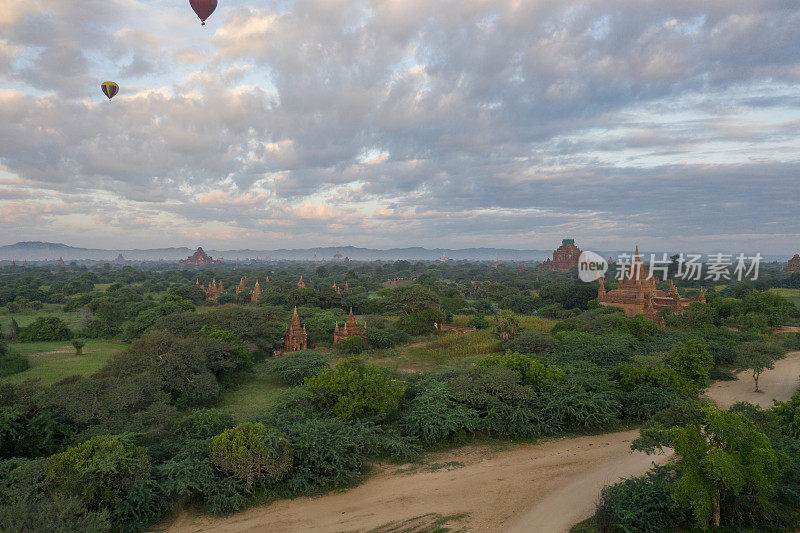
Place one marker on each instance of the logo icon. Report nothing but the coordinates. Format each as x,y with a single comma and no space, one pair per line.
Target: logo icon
591,266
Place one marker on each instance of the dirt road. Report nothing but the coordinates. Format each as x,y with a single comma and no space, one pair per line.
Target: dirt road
539,487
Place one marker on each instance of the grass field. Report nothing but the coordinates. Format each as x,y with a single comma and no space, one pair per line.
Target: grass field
793,295
72,318
446,347
253,394
54,361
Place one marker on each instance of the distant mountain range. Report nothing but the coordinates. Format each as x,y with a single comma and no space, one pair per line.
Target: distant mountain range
48,251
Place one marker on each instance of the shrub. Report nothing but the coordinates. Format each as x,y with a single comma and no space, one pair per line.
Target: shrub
78,344
54,514
351,345
572,406
202,424
531,370
433,416
13,364
45,328
98,471
386,338
353,389
329,453
602,350
530,342
643,402
788,414
190,472
640,504
692,360
294,368
506,407
421,322
250,452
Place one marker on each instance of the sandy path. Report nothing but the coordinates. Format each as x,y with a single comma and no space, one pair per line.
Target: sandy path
779,384
537,487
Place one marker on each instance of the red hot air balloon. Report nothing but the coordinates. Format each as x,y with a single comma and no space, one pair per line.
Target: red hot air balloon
203,8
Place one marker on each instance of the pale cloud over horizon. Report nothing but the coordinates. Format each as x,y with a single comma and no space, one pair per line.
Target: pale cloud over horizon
500,123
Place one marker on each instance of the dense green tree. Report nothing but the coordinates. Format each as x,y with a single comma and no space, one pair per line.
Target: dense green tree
45,328
99,470
354,389
249,452
693,360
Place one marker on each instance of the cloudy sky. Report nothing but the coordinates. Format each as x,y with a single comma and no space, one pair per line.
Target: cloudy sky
505,123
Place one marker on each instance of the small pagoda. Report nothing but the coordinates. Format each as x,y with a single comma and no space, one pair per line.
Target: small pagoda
350,329
295,338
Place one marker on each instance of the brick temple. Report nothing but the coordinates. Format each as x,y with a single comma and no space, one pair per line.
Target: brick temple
199,258
213,291
565,257
793,265
637,294
295,338
350,329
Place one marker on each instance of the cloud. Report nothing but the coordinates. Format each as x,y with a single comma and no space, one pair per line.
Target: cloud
406,121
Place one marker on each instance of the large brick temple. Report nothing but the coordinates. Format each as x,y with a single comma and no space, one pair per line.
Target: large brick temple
199,258
565,257
793,265
637,294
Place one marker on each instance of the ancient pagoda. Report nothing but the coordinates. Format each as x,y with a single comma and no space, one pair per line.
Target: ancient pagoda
565,257
350,329
793,265
256,294
301,284
637,294
213,291
295,338
199,258
242,285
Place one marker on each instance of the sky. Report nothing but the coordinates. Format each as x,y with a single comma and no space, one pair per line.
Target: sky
436,123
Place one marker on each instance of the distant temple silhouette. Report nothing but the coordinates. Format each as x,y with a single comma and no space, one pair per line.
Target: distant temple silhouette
565,257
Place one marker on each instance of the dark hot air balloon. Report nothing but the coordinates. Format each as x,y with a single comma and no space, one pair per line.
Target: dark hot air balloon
203,8
110,89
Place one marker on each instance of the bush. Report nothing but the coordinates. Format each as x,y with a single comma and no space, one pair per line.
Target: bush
788,414
45,328
506,407
53,514
329,453
351,345
530,342
78,344
692,360
531,371
13,364
353,389
640,504
433,416
295,368
202,424
250,452
98,471
421,322
386,338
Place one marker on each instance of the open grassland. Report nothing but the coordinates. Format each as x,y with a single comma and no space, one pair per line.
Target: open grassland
54,361
452,346
536,323
23,318
255,391
793,295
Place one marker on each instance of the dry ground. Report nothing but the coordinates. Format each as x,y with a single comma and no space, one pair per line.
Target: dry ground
535,487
